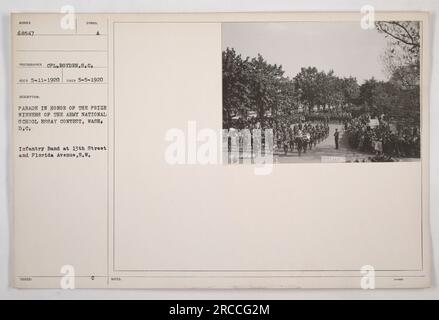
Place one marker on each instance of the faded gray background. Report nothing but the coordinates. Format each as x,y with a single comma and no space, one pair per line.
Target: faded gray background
317,44
6,292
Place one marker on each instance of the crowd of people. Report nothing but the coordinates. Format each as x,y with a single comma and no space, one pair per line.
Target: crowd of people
382,139
334,116
376,136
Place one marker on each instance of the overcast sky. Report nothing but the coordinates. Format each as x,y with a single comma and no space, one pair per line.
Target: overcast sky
341,46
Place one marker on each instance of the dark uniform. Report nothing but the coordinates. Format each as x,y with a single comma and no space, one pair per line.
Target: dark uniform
336,136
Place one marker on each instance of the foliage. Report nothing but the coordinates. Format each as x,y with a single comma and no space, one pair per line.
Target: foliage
402,57
256,91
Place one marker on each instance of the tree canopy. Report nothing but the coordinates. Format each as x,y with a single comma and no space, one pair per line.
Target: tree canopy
256,90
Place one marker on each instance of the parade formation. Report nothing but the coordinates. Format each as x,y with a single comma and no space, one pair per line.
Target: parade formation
300,137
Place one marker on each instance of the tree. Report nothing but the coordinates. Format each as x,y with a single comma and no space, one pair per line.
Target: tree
332,90
236,89
378,97
402,61
265,87
286,102
317,88
351,90
403,53
253,86
307,82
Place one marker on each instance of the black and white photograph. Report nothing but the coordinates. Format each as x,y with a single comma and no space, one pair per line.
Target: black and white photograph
322,91
220,156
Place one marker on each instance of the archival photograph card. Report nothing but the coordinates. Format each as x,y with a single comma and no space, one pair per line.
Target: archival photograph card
226,150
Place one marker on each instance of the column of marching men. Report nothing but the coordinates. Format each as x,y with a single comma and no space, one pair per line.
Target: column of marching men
287,137
300,137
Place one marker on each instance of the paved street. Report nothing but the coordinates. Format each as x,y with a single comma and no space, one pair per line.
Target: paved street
325,151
